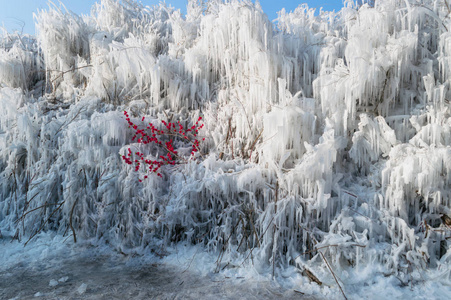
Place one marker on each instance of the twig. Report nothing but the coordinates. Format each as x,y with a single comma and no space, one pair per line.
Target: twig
447,6
359,213
34,209
42,226
312,276
327,246
66,123
327,263
107,93
191,261
274,246
250,252
221,254
66,239
242,239
229,134
253,227
253,144
70,70
346,192
245,113
233,156
333,274
70,220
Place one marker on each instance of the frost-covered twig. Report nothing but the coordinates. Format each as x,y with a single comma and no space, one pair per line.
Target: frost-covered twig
253,144
73,69
261,236
333,274
274,246
221,253
25,213
325,260
70,219
66,123
45,222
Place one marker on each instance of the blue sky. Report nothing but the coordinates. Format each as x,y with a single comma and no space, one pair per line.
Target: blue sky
15,14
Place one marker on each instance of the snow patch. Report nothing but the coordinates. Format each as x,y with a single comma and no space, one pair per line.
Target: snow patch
82,289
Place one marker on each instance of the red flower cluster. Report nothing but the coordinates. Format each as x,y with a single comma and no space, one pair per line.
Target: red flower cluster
153,135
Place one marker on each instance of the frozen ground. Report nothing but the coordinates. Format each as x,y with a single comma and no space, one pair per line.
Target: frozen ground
53,268
50,270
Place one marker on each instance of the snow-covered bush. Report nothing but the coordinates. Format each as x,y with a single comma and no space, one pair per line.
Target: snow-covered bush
20,64
63,39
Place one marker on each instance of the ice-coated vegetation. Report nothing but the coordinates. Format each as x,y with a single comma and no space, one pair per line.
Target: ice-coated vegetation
327,134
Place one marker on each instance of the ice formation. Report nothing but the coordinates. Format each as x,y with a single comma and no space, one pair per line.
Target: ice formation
327,135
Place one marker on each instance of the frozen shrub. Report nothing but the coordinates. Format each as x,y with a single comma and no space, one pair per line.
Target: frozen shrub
328,135
63,38
20,63
164,140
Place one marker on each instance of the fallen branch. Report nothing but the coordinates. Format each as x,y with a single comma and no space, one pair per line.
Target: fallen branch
312,277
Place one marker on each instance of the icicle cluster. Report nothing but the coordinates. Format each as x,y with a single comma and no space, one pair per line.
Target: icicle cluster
331,131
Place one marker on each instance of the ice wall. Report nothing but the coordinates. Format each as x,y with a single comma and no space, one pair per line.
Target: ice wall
328,131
